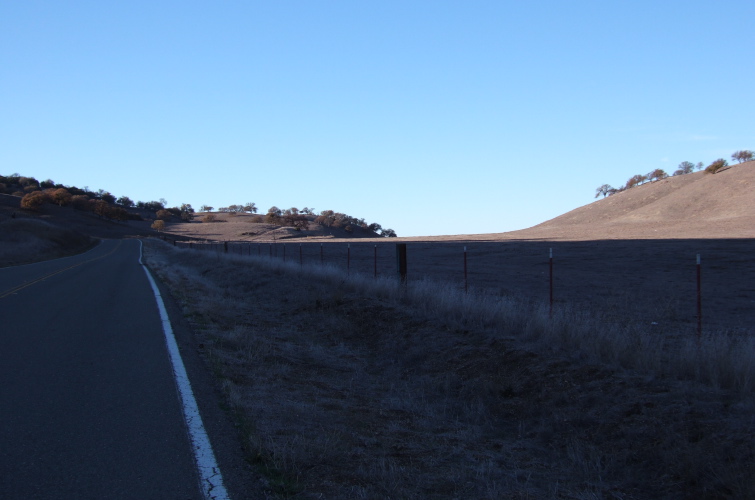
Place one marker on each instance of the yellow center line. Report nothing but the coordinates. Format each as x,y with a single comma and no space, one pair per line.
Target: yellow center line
26,285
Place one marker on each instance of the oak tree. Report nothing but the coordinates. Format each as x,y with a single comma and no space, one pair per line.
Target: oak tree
742,156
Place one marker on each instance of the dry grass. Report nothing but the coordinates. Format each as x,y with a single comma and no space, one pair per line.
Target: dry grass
352,387
31,240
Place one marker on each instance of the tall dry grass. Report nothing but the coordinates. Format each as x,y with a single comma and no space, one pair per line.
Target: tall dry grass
24,241
722,359
347,386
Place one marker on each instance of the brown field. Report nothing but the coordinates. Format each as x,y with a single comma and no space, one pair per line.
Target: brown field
344,387
650,281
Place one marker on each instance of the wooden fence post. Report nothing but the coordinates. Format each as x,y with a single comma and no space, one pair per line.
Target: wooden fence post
550,260
699,301
401,262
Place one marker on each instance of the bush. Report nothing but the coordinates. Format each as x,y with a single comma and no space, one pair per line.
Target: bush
716,166
158,225
209,218
163,214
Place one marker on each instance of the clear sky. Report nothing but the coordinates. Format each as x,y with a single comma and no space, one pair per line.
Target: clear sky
428,117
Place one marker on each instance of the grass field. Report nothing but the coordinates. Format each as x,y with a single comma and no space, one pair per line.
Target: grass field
24,241
347,386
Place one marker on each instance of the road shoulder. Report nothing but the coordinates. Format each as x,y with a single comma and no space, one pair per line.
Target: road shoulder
240,479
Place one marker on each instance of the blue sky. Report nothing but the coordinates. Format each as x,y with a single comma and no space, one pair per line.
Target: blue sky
428,117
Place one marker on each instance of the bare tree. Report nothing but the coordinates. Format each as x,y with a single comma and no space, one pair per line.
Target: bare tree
742,156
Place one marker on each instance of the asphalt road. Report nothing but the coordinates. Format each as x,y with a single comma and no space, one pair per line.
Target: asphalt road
88,404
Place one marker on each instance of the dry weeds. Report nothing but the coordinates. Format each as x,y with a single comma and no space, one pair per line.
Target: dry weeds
349,387
23,241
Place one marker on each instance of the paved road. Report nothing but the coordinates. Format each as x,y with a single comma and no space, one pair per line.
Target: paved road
88,403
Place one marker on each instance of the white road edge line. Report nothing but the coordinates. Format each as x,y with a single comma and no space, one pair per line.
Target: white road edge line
209,472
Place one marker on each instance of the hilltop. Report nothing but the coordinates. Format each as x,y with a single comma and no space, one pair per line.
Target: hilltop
692,206
697,205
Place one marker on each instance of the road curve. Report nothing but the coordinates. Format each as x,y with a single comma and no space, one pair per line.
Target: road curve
88,403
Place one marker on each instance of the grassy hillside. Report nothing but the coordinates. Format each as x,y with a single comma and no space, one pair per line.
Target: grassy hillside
698,205
31,240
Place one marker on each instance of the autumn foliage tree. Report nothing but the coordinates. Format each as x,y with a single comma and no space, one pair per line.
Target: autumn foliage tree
33,200
61,196
656,174
635,180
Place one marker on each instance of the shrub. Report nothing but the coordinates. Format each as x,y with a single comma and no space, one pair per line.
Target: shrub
209,218
716,166
163,214
158,225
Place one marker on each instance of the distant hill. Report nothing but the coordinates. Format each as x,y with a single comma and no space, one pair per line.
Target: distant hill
246,227
697,205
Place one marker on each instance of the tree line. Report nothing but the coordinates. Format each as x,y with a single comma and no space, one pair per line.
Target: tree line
34,194
685,167
300,219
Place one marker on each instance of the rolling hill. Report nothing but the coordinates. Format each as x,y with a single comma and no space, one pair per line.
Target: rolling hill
697,205
691,206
